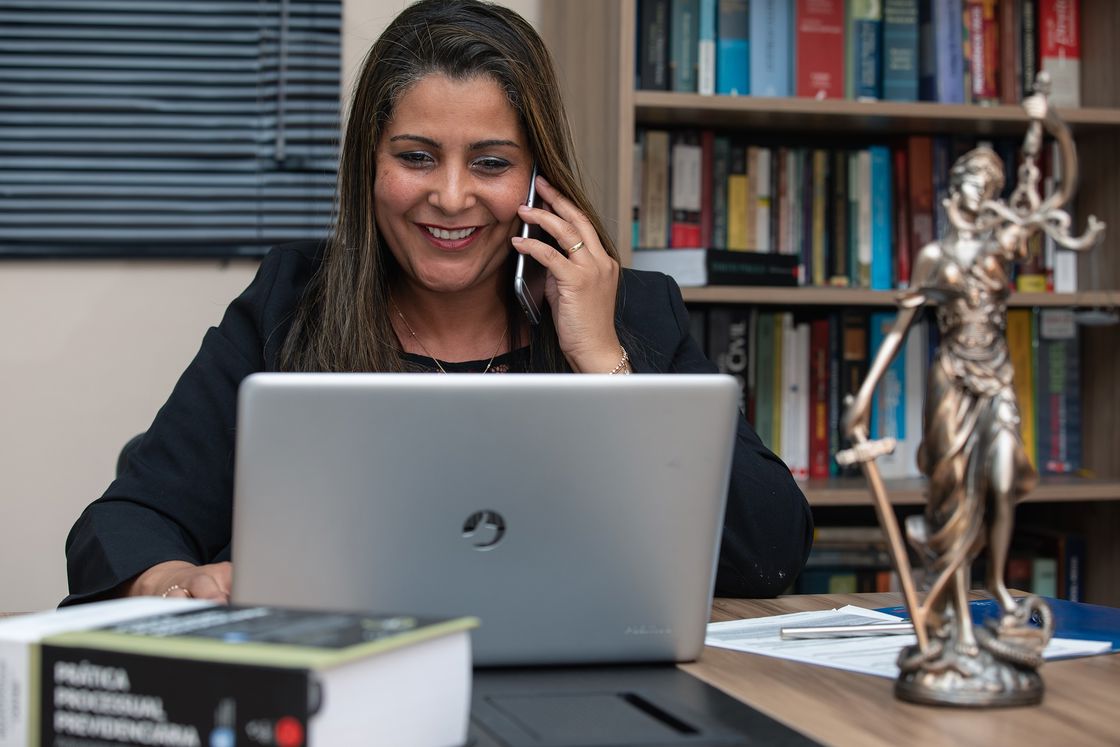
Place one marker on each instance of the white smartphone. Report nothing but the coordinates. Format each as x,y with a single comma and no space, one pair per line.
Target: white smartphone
520,286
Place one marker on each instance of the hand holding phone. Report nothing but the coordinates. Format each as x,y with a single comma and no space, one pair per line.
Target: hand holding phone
520,287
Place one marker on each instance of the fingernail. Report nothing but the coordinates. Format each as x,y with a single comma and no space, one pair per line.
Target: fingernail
523,208
517,239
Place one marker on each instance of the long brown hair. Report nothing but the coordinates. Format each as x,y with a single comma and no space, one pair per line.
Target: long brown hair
343,322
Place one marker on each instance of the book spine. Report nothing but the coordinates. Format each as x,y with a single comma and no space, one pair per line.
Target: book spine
729,345
819,399
820,213
776,362
882,216
738,185
1020,349
685,179
653,45
1059,44
733,48
770,52
835,403
838,207
864,250
900,50
980,18
636,176
721,170
706,56
1028,43
865,61
1010,52
920,189
820,48
655,190
903,252
751,216
684,45
854,360
949,51
707,192
1059,413
764,380
762,178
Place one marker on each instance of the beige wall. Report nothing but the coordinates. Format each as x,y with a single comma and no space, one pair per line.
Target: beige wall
88,353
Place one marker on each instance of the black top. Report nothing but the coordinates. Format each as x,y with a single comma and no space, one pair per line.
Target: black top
174,499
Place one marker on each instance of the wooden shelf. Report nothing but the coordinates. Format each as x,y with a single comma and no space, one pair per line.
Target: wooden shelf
874,118
827,296
853,491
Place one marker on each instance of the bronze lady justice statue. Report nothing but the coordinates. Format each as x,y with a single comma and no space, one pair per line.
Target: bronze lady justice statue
971,452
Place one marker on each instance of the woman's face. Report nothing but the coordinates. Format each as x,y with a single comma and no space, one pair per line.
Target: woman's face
975,188
452,167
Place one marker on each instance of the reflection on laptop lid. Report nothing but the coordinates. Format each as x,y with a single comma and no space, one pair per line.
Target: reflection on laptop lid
578,516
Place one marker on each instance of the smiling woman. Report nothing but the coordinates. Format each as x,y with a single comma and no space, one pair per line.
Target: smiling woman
456,104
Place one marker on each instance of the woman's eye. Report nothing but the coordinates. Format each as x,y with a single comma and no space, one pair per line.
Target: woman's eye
492,165
416,158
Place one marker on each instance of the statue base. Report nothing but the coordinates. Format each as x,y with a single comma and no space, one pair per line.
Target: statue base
995,667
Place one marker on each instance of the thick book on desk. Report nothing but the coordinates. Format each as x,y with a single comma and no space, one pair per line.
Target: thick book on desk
259,675
19,653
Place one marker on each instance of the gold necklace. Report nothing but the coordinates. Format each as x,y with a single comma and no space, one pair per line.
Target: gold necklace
428,353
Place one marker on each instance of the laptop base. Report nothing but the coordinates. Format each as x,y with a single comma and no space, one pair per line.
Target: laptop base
616,706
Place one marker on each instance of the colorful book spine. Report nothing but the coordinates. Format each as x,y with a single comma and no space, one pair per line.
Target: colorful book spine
919,163
706,55
1059,392
819,398
983,51
1020,347
882,218
866,220
655,189
733,48
762,177
903,252
1010,52
819,255
770,22
1059,45
707,191
864,63
948,51
900,50
819,37
685,178
737,190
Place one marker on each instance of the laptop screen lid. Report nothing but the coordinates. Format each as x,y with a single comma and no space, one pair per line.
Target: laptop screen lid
578,516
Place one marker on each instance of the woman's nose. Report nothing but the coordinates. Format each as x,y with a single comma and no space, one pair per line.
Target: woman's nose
453,190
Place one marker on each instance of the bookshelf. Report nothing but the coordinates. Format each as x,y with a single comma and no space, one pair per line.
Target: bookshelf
593,42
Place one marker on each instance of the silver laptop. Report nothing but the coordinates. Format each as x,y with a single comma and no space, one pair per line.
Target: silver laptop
578,517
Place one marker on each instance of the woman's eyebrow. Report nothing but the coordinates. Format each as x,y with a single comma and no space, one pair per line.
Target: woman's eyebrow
480,145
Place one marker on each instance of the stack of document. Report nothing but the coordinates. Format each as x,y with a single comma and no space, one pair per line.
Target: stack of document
867,654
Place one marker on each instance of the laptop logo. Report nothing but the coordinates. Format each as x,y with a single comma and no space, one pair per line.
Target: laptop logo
484,529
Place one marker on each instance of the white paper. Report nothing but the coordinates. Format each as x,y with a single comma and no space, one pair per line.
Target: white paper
877,655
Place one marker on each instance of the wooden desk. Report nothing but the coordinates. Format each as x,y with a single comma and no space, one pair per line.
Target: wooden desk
1081,705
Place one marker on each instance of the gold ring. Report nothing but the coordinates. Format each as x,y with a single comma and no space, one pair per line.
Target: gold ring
575,248
176,587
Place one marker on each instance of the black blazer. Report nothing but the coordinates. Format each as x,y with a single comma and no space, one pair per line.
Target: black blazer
174,499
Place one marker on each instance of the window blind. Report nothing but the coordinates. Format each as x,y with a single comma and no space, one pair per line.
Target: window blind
166,128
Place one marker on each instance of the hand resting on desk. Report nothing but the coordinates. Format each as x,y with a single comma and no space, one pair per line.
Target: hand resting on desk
178,578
